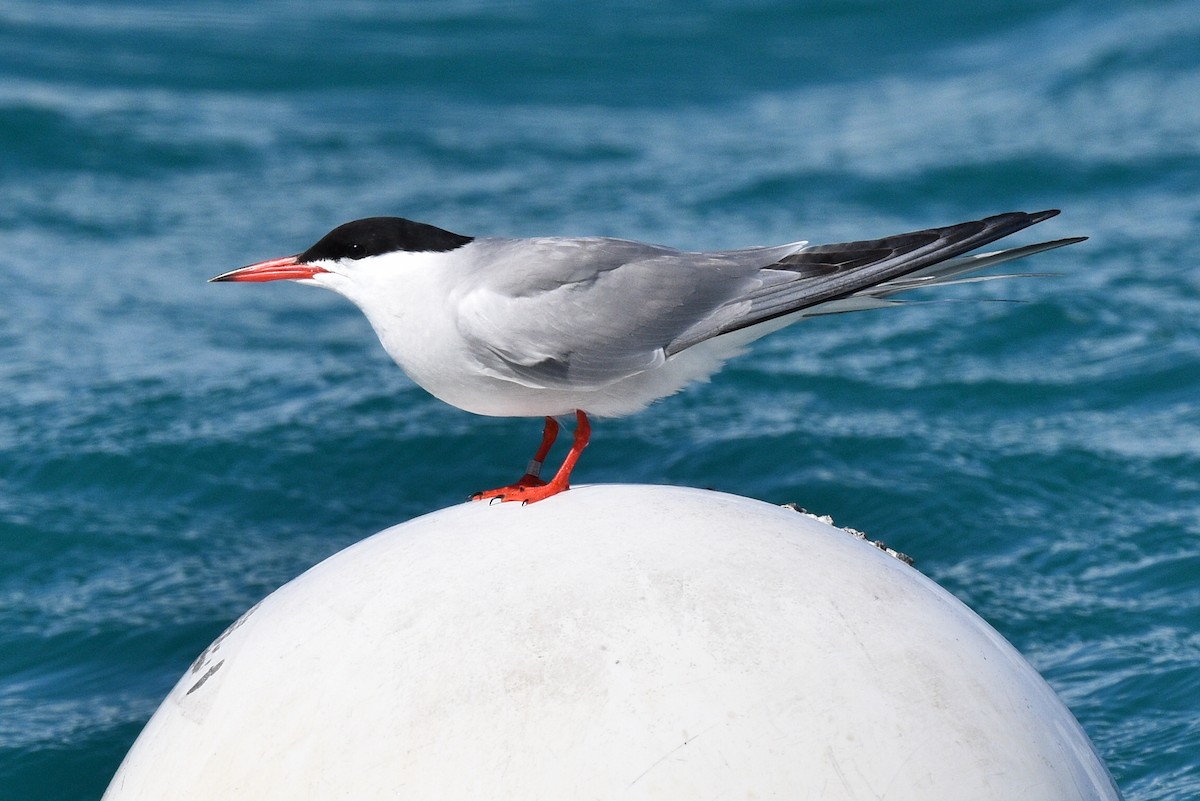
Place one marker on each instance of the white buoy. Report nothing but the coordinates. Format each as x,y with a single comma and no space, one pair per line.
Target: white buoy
612,642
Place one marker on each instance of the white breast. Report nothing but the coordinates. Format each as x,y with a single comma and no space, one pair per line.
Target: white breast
413,301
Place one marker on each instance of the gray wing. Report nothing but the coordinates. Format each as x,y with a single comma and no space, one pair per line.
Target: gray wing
824,273
583,313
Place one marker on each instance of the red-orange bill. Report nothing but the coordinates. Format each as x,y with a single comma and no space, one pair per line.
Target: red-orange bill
285,268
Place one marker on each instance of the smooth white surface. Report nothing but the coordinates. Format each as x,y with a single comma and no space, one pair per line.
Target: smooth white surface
612,642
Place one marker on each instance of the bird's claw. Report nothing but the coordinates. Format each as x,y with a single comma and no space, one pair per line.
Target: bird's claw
530,488
525,491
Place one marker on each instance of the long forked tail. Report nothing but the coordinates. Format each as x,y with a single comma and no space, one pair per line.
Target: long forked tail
849,276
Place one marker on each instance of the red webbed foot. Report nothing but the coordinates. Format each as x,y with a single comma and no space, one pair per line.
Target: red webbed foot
530,488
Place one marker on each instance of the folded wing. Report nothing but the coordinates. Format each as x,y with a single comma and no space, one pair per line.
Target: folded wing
849,276
586,313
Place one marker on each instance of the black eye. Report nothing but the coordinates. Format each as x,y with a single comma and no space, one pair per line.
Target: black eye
355,250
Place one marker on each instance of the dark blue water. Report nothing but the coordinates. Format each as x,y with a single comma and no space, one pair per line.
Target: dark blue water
171,450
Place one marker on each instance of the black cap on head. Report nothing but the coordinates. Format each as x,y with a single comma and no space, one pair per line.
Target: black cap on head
373,236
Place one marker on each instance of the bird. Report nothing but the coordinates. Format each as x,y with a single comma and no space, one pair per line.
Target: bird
598,326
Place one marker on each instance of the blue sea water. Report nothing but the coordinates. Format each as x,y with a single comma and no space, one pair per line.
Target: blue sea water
172,450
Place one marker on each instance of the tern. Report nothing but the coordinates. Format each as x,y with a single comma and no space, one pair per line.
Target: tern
546,327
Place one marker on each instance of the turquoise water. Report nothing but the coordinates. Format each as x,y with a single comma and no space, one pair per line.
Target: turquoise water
172,450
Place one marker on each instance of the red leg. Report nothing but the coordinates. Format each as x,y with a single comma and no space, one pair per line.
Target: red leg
530,488
534,471
532,477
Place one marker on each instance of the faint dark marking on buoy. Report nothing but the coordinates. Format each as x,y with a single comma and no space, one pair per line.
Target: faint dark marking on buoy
880,544
204,678
216,644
